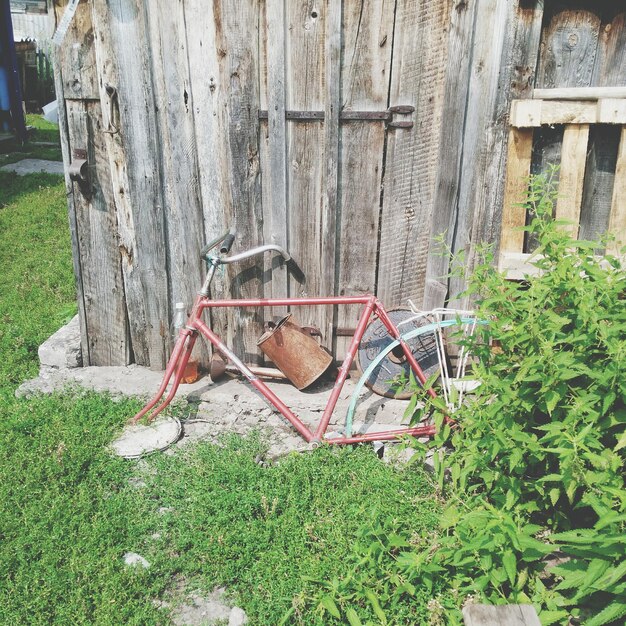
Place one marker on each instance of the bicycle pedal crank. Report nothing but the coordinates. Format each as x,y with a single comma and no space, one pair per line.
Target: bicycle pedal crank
391,378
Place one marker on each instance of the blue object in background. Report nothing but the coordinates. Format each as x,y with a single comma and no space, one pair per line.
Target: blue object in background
9,78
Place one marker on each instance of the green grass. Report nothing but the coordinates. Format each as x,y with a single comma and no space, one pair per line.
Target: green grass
43,131
204,516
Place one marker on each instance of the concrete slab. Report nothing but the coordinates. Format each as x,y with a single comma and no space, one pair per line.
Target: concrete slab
231,405
34,166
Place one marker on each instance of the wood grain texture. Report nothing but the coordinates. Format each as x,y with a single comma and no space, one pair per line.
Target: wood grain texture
599,182
486,131
96,225
517,172
445,202
617,220
366,60
330,206
123,60
610,65
207,49
178,176
579,93
306,165
224,72
569,45
76,55
418,77
535,113
273,87
59,68
572,175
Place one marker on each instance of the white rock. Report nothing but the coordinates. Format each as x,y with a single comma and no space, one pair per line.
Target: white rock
237,617
133,559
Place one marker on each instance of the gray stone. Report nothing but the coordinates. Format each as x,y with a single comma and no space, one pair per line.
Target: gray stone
237,617
132,559
62,350
34,166
211,609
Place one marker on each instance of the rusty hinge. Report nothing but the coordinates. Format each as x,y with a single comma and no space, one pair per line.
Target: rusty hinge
387,116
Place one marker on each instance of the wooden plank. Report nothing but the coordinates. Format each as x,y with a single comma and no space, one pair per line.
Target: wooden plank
486,131
610,66
412,159
102,282
569,46
617,220
535,113
224,72
365,85
599,182
306,77
76,55
330,207
448,178
124,63
275,167
518,170
173,97
58,69
504,615
612,111
579,93
206,48
239,72
572,175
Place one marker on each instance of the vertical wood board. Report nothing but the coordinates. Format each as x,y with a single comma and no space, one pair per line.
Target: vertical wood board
617,220
568,50
484,148
366,60
516,184
572,175
76,55
411,162
59,68
102,282
173,96
599,181
445,202
274,168
123,59
610,64
225,68
306,84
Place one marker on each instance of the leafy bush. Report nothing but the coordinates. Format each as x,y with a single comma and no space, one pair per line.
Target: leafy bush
536,500
537,463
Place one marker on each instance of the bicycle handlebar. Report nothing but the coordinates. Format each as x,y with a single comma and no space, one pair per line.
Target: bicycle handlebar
226,241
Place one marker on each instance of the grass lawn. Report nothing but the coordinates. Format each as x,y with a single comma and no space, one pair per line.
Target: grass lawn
202,517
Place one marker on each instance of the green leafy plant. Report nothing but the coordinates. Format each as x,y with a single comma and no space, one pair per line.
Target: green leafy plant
535,488
537,459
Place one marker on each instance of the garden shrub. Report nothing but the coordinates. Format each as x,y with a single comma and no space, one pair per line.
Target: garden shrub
536,506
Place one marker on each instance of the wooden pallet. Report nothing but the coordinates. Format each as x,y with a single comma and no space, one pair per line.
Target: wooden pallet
577,109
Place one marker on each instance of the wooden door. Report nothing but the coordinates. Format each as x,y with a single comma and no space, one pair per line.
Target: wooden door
347,182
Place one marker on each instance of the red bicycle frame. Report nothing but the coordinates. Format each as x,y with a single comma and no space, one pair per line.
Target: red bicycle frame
195,325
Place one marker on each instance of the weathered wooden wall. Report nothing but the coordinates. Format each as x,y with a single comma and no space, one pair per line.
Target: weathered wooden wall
201,115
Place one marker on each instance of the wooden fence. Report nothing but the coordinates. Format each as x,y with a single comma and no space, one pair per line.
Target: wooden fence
349,131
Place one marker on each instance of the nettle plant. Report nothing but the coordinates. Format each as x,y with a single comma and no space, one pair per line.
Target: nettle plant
537,502
535,499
